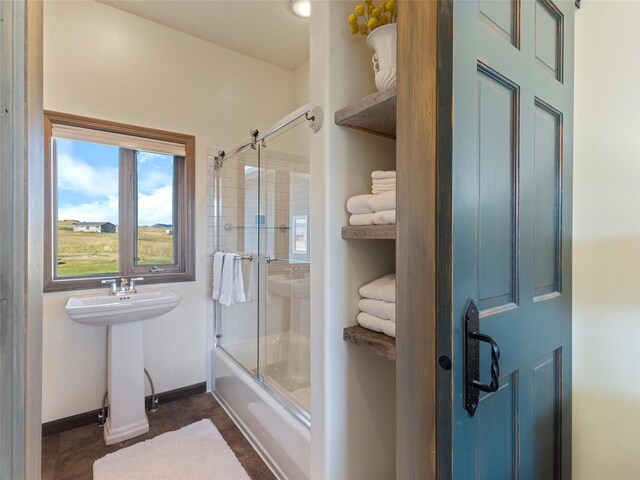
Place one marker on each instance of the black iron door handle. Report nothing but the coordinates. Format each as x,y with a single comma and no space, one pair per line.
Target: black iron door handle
472,339
495,365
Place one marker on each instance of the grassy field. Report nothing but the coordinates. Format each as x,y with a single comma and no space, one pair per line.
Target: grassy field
85,253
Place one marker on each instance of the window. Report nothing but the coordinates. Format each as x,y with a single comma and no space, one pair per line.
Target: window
119,201
300,239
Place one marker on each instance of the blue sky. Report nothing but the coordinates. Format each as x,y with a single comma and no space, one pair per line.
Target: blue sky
88,184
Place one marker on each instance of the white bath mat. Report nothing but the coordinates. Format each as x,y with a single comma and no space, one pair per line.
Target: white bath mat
194,452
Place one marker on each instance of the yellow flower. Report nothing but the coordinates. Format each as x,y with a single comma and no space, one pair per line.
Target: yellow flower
384,20
360,10
363,29
383,7
370,9
375,13
353,19
373,23
391,6
368,1
354,28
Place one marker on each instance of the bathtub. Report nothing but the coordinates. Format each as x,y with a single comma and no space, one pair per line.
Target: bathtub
279,433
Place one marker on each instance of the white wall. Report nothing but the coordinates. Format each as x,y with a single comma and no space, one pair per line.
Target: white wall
104,63
353,391
301,84
606,248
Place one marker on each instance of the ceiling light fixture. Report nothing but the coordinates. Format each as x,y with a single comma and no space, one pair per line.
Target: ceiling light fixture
302,8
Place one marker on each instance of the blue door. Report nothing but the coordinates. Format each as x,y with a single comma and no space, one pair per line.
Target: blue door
511,228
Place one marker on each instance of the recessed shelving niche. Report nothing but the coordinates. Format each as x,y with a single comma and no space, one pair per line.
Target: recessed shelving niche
375,114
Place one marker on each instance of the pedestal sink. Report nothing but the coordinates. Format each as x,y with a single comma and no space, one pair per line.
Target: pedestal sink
122,314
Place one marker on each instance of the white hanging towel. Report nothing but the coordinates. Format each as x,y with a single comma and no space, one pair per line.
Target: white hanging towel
232,290
218,260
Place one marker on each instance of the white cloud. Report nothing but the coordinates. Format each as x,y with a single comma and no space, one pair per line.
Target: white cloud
156,207
151,180
103,210
146,156
76,175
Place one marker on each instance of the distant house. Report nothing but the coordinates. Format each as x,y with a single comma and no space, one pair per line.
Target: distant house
97,227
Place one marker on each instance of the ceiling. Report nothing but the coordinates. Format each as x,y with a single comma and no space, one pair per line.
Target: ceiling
263,29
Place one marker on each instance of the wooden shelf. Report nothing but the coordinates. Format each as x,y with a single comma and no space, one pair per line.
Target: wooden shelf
375,342
369,232
375,113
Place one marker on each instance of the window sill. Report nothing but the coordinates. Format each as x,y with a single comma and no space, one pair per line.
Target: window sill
95,282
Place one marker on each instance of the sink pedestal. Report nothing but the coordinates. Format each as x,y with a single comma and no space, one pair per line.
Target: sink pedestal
125,371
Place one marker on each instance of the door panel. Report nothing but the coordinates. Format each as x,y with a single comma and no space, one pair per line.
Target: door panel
497,220
502,17
511,229
547,225
546,385
498,415
549,28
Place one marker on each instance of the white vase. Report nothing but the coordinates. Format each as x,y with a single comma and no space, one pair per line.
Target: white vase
383,40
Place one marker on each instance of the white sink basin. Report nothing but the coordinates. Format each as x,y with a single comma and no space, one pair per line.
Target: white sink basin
104,310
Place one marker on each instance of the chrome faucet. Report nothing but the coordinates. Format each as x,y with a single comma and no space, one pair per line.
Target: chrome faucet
113,289
132,284
126,285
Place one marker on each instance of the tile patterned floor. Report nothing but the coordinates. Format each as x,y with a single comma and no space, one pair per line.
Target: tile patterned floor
70,455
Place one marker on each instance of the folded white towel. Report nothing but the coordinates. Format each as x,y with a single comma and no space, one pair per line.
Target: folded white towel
218,260
380,174
383,288
360,204
377,324
385,217
376,191
232,289
384,201
362,219
385,188
384,310
383,181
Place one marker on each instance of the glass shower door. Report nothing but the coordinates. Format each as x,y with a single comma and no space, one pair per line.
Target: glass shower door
284,312
237,222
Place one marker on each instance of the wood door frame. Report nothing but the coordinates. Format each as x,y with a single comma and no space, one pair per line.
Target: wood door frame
423,244
21,91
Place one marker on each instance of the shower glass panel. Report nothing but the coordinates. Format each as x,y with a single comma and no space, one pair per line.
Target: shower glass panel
284,238
262,209
237,197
